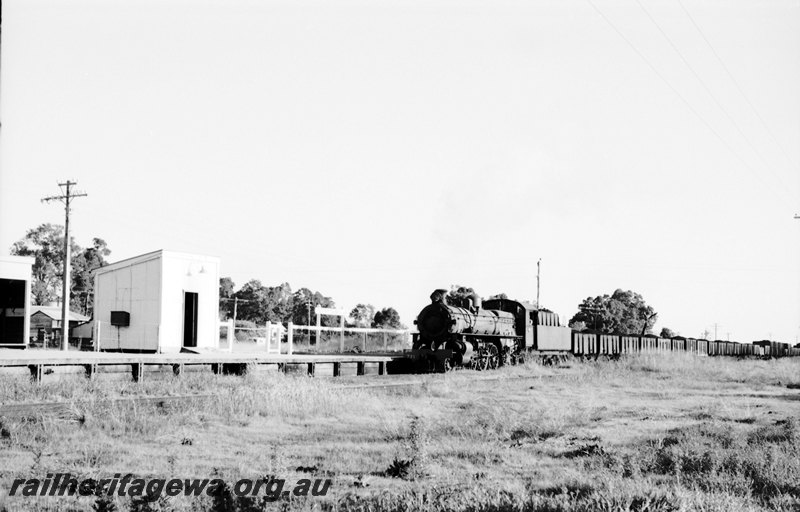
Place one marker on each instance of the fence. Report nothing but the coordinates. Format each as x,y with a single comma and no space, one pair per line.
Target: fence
338,340
265,338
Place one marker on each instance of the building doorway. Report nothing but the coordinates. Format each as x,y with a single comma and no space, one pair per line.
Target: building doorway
12,311
189,319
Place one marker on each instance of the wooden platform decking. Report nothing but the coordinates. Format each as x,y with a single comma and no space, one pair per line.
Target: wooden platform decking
235,363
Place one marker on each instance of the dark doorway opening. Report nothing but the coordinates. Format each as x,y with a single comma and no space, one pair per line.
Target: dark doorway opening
189,319
12,311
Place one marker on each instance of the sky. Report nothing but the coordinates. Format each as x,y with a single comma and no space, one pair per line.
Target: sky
377,150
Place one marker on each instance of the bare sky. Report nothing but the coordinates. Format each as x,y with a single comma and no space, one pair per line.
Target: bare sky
377,150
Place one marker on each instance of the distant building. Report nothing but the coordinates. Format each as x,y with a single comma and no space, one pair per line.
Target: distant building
161,301
46,319
15,293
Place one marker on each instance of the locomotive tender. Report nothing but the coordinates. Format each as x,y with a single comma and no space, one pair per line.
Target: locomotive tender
483,335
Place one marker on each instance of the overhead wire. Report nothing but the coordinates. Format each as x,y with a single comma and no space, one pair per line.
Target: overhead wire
678,94
709,91
736,84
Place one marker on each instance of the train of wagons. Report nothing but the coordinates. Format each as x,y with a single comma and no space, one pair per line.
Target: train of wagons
487,334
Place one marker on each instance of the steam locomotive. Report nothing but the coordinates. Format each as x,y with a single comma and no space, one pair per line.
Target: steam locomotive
483,335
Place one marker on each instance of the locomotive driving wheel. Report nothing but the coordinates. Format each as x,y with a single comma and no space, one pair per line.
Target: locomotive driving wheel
447,365
481,359
493,357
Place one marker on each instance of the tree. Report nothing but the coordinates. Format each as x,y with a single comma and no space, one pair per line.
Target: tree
622,312
226,286
362,315
226,291
304,302
45,244
387,318
578,326
250,302
279,303
666,332
84,264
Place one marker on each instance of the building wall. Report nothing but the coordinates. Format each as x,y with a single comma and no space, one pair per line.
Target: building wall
41,321
135,288
151,288
189,273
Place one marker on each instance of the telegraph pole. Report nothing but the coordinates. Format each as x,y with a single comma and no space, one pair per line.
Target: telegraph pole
538,276
66,197
236,301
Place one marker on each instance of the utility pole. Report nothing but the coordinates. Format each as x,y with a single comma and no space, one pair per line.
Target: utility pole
538,276
715,331
236,301
66,197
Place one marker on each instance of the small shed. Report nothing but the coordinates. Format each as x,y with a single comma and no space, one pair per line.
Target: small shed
15,293
162,301
46,319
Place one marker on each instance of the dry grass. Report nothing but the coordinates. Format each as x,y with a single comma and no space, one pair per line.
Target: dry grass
646,433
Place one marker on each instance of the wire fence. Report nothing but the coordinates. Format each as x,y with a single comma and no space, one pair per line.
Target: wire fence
335,340
309,339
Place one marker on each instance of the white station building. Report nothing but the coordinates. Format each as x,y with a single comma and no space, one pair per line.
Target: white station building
161,302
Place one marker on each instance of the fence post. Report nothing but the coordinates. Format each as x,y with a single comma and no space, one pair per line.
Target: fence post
290,337
318,331
365,341
97,336
385,341
341,334
231,334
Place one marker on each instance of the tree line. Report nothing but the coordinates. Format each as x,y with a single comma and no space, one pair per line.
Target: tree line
45,244
258,303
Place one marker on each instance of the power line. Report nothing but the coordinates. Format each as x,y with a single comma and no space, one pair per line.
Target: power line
66,197
738,87
708,90
675,91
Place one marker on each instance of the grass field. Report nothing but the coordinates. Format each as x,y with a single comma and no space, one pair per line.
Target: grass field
646,433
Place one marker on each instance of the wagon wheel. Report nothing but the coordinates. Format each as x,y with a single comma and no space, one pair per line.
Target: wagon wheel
493,358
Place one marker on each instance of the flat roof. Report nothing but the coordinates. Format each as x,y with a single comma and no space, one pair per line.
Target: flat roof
135,260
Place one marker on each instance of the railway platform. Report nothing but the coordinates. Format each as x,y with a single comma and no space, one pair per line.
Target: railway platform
42,362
